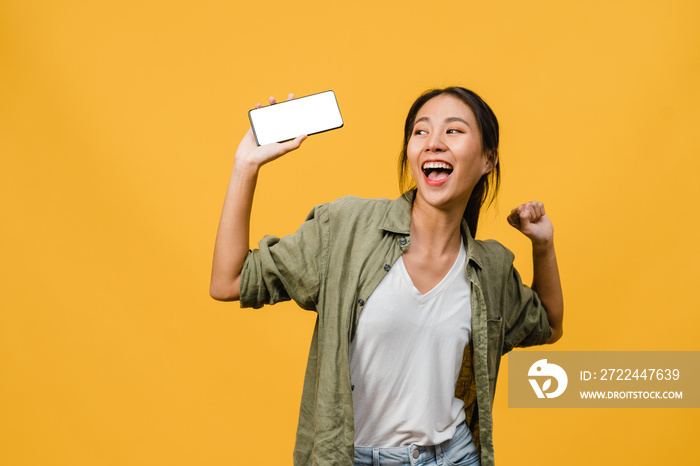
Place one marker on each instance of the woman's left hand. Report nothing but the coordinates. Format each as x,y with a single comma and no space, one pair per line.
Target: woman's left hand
531,220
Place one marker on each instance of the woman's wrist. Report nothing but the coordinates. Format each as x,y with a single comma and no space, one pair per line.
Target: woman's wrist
542,245
246,167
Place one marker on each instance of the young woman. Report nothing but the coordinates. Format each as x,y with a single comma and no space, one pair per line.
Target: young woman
414,314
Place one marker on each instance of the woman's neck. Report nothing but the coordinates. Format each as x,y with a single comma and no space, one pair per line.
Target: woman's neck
434,228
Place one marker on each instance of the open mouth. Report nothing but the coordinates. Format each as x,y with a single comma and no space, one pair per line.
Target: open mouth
437,172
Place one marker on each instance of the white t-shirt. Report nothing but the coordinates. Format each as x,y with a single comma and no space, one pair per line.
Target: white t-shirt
406,357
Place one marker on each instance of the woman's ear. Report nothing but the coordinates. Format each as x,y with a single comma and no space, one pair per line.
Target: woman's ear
491,161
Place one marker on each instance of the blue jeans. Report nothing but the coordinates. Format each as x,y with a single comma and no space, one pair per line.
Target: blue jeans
458,451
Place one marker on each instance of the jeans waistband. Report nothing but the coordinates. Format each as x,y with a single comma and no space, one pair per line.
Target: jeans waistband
410,454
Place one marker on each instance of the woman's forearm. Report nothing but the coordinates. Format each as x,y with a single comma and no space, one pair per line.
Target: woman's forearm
547,284
233,235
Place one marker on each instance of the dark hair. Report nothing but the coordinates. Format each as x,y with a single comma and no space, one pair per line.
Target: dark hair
487,186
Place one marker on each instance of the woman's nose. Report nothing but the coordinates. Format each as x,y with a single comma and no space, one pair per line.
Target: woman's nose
435,143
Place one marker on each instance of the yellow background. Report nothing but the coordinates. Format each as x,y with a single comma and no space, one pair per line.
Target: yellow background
118,125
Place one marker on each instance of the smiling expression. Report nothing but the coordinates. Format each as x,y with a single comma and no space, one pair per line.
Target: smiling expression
445,152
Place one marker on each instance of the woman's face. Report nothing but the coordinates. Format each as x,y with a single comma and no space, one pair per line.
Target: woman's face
445,154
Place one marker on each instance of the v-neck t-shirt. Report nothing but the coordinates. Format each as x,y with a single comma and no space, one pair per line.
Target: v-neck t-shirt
406,357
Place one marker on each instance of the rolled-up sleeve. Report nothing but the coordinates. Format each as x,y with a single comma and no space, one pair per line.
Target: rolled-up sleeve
291,267
525,316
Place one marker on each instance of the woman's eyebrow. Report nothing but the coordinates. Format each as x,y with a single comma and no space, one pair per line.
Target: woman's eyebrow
451,119
425,118
447,120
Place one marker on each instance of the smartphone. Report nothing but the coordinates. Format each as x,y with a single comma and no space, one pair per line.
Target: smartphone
283,121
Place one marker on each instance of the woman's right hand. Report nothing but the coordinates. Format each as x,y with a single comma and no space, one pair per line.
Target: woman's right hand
252,156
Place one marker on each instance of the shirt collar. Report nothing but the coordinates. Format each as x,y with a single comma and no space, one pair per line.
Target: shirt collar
398,220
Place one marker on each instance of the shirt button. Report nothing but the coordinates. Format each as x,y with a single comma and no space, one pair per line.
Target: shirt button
387,267
416,454
361,302
402,241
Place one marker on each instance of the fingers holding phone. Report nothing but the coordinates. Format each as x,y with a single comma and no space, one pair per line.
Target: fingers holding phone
249,154
252,155
274,101
281,127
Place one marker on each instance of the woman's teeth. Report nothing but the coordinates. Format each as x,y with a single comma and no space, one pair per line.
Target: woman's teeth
443,165
436,171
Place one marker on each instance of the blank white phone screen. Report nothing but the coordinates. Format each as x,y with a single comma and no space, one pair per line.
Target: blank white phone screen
286,120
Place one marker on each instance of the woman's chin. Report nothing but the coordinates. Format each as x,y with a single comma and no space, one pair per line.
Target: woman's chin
442,199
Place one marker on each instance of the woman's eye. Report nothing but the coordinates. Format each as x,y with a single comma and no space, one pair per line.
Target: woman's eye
419,131
452,131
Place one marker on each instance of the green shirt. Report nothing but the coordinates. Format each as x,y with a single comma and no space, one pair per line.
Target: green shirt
332,264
